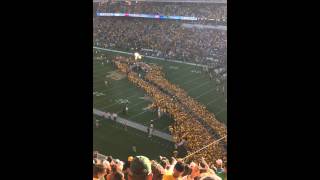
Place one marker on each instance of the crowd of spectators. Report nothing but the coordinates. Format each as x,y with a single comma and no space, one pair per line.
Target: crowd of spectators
156,76
167,39
186,126
142,168
164,39
170,40
199,10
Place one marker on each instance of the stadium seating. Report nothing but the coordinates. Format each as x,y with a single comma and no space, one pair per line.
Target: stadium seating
134,168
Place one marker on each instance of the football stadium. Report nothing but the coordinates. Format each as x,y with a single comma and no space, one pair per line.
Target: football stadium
159,89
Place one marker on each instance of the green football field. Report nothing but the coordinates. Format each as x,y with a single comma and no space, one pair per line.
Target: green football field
112,140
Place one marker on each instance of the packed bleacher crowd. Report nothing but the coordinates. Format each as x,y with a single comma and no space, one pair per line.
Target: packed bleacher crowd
142,168
163,38
168,40
199,10
156,76
186,126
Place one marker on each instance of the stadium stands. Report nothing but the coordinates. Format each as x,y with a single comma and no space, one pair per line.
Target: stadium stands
166,39
216,12
196,42
142,168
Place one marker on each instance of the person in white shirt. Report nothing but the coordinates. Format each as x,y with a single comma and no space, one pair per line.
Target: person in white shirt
115,116
107,115
97,123
125,110
150,129
159,112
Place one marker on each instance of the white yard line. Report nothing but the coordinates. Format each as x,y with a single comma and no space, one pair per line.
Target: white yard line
198,86
214,100
222,109
133,105
116,95
138,114
117,103
204,93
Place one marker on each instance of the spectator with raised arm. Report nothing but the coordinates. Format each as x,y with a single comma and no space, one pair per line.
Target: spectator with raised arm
175,171
140,169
